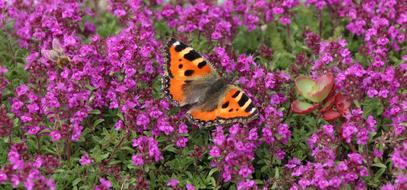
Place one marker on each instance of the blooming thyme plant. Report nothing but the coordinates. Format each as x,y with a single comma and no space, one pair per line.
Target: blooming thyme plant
81,105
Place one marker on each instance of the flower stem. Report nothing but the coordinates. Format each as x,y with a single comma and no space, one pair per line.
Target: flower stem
320,23
68,148
117,147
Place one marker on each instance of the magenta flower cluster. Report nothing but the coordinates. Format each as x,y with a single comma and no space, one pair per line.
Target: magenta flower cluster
75,75
220,22
325,172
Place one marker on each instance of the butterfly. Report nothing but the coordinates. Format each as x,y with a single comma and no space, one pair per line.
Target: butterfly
192,81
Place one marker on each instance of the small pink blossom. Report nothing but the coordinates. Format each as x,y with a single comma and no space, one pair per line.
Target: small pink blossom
85,160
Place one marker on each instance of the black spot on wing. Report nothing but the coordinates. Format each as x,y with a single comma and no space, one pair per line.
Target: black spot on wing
192,55
225,105
202,64
188,72
249,108
243,100
181,46
236,94
180,66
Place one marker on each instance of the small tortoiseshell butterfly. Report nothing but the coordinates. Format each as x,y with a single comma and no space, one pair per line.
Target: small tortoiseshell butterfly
192,81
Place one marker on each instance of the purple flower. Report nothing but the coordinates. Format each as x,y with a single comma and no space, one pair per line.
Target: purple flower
382,41
118,125
348,131
165,127
143,120
85,160
182,128
105,183
172,183
182,142
388,187
285,21
268,135
284,132
278,10
21,90
190,186
148,147
216,36
219,138
355,157
245,171
3,176
248,184
399,156
55,135
137,160
215,152
33,130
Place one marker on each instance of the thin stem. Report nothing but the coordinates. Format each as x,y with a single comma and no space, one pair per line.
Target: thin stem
38,144
199,35
68,148
117,147
10,138
352,147
11,49
369,161
320,23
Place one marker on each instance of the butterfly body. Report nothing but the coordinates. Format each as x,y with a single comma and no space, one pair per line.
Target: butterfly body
191,81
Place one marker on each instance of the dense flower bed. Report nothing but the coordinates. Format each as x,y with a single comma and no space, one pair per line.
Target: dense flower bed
82,105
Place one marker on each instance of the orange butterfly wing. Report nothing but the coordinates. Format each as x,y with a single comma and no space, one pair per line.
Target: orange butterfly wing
234,106
183,64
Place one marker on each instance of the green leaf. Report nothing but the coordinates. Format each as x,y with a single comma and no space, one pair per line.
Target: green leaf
108,25
380,165
212,171
247,41
120,115
76,181
372,107
95,112
97,122
170,148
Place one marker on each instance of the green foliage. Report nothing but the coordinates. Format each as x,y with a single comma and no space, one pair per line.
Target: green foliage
107,25
13,58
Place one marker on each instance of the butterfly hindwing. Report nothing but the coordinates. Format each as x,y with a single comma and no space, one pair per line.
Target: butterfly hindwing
233,106
185,66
